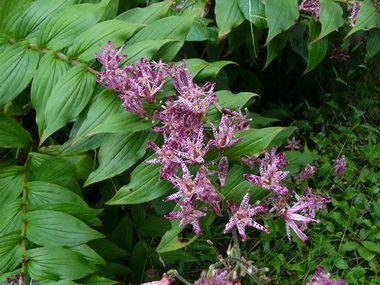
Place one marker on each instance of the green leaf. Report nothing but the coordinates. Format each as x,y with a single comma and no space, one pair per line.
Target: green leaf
69,97
42,193
66,24
368,17
17,64
330,17
35,15
97,280
105,104
200,31
122,123
146,15
227,99
373,44
364,253
52,228
8,7
228,16
12,134
372,246
349,246
170,241
49,71
254,11
201,69
281,15
297,159
173,28
10,251
118,153
236,186
108,249
316,50
154,226
274,47
253,143
56,263
145,185
148,49
89,254
86,45
10,216
11,183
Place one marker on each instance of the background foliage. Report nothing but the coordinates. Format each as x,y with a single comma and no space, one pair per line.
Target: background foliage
68,149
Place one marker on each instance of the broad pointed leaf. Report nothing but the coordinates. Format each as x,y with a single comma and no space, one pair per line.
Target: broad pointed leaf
12,134
228,16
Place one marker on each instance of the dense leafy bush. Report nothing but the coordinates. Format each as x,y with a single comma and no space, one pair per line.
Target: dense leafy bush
70,151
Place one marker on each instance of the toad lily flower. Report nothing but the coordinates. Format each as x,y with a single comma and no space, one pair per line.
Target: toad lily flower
241,217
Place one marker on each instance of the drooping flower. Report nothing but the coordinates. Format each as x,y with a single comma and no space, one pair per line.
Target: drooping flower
307,171
315,200
225,137
291,217
322,278
339,54
165,280
188,215
312,7
242,217
249,160
354,13
293,144
222,170
19,280
340,166
217,277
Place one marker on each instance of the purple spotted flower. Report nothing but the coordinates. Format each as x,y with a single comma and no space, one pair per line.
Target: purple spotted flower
165,280
322,278
307,171
217,277
249,160
312,7
340,166
225,137
271,175
377,5
354,13
293,144
188,215
18,281
242,217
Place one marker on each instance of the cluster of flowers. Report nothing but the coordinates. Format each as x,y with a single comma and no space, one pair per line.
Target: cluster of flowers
183,120
313,7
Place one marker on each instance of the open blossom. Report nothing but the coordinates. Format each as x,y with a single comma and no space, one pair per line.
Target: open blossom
293,144
323,278
217,277
271,175
307,171
312,7
242,217
225,137
340,166
316,201
291,217
188,215
18,281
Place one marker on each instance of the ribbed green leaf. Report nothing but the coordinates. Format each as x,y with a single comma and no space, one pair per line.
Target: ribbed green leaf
373,44
11,183
49,71
274,47
169,28
10,216
8,7
118,153
35,15
52,228
42,193
12,134
97,280
86,45
62,27
368,17
253,143
17,64
228,16
281,15
145,186
227,99
104,104
147,14
69,97
330,17
10,251
254,11
202,69
56,263
89,254
122,123
316,50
